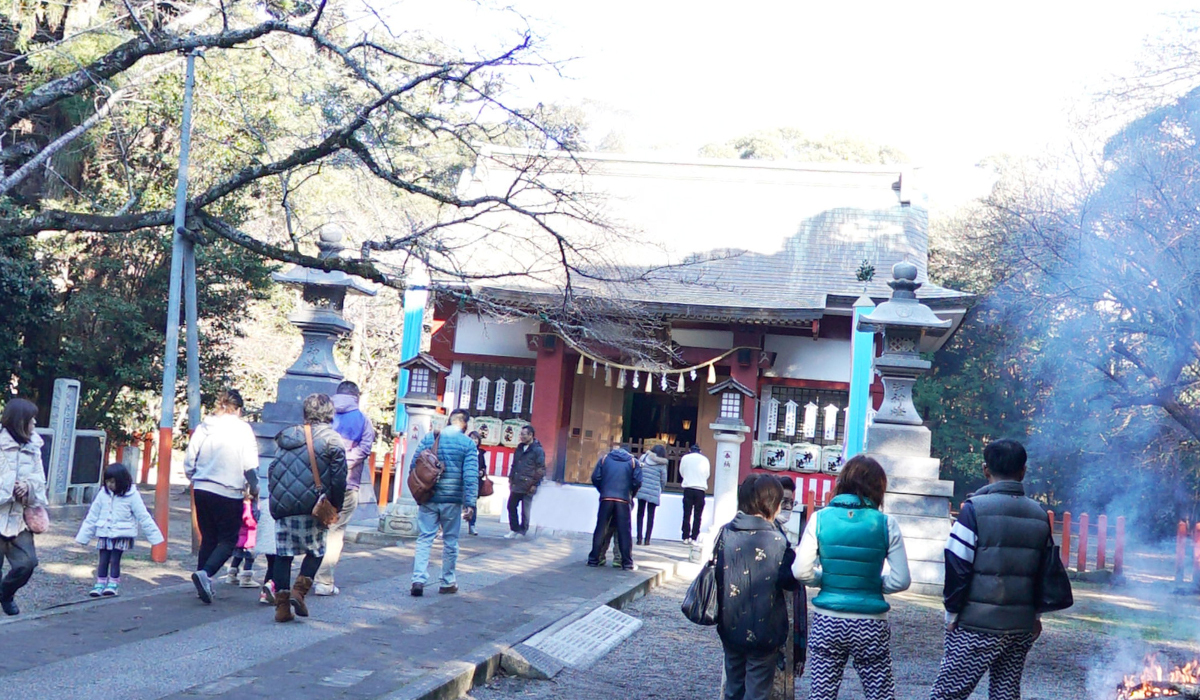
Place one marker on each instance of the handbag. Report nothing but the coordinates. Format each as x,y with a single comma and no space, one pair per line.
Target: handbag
324,511
37,519
701,603
1054,588
486,487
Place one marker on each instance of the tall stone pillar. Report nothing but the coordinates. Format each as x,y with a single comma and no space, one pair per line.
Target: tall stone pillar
399,518
916,497
730,432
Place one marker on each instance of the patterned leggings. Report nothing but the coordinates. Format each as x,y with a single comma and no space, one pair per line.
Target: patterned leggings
969,655
835,640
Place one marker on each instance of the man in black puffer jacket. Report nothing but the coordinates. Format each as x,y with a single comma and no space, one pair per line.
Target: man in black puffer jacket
294,494
617,477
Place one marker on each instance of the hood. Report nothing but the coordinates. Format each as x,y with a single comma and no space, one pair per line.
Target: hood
345,403
654,459
742,521
290,438
8,443
621,455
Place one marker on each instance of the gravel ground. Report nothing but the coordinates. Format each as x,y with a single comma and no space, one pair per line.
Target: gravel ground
1080,656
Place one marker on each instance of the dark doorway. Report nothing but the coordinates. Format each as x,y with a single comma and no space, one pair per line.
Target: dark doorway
669,416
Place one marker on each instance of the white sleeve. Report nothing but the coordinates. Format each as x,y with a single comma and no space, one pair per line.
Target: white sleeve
897,578
805,567
193,450
88,528
149,527
249,449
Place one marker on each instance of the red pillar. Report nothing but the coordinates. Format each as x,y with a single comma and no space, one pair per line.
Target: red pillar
552,405
1119,554
1101,542
1066,539
1081,566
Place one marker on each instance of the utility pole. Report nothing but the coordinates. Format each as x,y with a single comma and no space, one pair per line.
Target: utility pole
166,424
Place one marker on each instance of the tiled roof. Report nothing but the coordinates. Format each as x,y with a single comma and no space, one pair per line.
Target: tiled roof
775,241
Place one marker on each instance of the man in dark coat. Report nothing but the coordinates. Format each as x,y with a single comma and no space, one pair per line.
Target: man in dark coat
617,477
527,471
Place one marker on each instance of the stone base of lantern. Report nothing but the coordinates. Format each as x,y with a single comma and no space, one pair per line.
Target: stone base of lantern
399,518
917,498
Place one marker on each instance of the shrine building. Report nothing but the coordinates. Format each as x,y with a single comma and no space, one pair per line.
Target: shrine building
759,286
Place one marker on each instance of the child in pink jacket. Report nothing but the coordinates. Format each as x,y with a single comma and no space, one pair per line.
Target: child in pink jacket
243,556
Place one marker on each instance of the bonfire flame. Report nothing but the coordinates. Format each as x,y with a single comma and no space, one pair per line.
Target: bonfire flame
1153,683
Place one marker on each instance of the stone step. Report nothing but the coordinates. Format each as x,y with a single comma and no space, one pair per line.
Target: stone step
909,467
921,487
910,504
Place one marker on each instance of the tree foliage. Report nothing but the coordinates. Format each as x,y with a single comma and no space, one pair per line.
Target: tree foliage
789,143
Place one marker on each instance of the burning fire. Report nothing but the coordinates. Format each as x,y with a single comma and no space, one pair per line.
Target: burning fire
1182,681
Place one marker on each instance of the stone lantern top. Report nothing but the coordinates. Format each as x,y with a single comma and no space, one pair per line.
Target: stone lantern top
329,246
731,392
423,372
903,310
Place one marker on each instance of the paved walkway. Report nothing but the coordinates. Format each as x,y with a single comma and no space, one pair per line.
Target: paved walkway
373,640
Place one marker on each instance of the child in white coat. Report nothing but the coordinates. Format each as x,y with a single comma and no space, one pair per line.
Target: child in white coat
113,520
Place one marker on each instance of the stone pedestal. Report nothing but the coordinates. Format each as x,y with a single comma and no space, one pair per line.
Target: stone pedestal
725,483
399,518
916,497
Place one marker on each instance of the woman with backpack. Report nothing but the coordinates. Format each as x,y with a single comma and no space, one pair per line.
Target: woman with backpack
851,539
753,569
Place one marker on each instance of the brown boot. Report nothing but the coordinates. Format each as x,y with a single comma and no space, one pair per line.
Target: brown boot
300,589
283,606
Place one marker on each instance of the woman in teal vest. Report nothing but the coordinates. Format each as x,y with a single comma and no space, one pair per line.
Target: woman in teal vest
842,552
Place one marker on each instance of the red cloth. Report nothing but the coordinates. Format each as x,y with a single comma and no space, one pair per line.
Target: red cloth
248,534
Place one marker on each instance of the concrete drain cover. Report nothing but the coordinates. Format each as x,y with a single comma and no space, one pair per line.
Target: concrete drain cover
583,642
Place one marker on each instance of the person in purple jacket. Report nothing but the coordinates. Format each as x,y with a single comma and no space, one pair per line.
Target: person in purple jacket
358,436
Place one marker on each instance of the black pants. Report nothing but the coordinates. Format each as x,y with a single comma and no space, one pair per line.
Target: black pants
281,570
525,500
749,677
110,564
219,519
270,573
613,514
693,510
22,560
646,511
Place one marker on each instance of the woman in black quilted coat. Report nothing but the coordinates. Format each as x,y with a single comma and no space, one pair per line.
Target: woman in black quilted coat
294,495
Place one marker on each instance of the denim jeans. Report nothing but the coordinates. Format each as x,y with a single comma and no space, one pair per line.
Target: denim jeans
335,538
431,517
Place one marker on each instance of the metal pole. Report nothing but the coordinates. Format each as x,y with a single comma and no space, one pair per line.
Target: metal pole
166,424
192,336
862,356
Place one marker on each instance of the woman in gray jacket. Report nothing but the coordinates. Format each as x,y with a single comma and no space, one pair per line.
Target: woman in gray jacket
654,478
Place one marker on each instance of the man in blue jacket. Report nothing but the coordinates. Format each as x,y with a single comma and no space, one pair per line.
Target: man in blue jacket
453,499
358,437
617,477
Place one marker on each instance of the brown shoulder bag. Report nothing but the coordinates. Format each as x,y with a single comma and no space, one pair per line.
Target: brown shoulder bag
425,472
324,511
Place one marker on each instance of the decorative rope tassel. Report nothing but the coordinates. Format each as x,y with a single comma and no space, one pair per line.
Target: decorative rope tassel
635,380
662,383
621,379
579,367
712,374
693,374
607,375
649,382
681,388
593,369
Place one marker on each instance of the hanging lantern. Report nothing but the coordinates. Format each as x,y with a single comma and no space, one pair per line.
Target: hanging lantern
579,367
607,375
680,389
712,374
621,379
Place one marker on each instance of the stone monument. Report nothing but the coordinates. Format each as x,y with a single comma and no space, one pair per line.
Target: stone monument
321,322
420,403
916,497
730,431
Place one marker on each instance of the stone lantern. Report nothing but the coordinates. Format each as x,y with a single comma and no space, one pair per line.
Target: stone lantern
321,322
730,432
896,436
420,405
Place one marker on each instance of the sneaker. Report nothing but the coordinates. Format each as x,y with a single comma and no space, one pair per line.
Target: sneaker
325,589
471,530
10,607
266,593
98,589
112,589
616,563
418,590
203,586
593,564
511,535
631,567
449,590
246,580
231,577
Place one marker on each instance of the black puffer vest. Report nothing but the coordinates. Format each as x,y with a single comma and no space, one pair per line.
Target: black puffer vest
1013,533
290,478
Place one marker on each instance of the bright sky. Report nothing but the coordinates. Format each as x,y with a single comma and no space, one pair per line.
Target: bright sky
949,83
